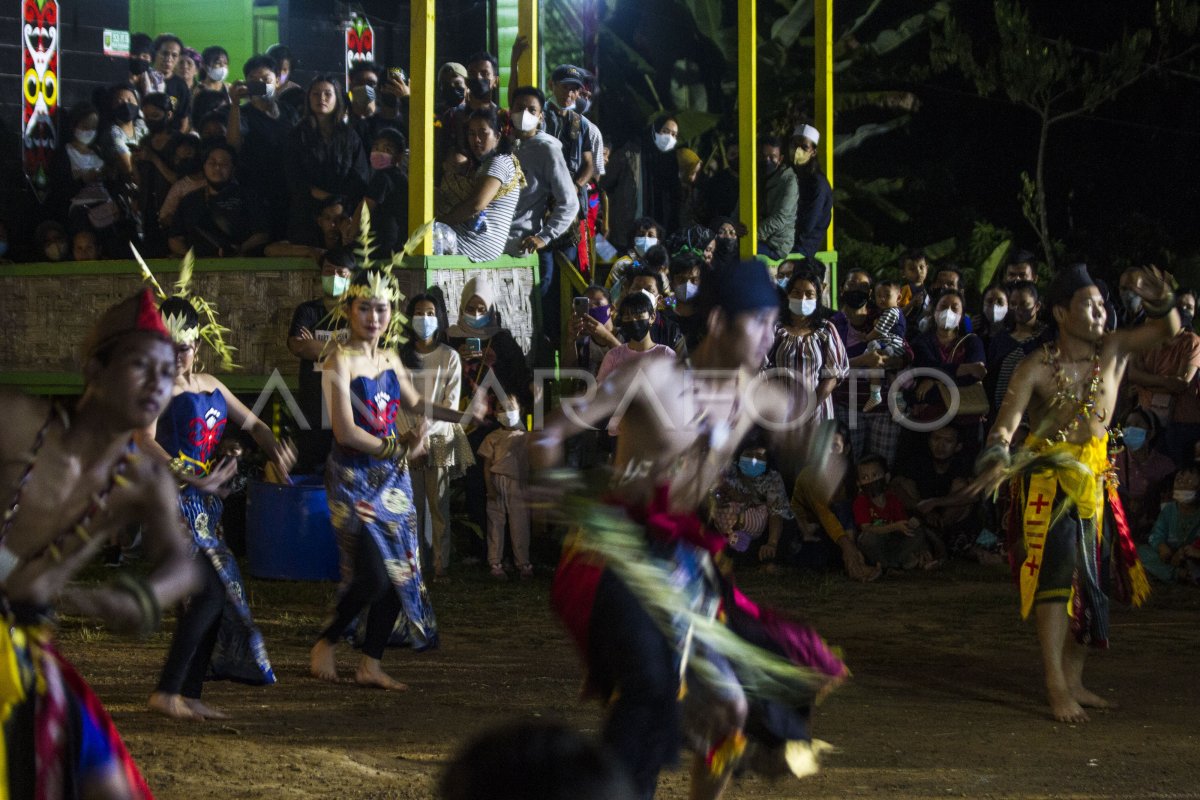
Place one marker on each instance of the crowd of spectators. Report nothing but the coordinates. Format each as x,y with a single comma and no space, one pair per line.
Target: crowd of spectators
185,155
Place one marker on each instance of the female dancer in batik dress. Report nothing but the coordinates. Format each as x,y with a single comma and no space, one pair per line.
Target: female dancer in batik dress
215,634
369,487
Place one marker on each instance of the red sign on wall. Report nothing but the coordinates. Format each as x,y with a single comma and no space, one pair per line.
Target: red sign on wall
360,42
39,90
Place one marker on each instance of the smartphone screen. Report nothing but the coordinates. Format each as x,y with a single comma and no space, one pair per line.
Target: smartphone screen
256,88
473,345
581,306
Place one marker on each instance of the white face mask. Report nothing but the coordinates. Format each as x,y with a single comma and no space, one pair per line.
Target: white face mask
802,308
947,319
270,91
218,74
998,313
85,137
526,121
425,327
644,243
511,419
686,291
1187,496
664,142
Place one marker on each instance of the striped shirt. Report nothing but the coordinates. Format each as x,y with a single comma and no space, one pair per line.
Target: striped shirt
489,245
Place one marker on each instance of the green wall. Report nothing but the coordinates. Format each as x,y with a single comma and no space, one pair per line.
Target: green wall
233,24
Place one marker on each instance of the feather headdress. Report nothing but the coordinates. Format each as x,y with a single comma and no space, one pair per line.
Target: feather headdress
210,331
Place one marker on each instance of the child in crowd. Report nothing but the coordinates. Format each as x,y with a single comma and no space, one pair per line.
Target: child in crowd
506,474
750,499
1173,552
887,535
887,335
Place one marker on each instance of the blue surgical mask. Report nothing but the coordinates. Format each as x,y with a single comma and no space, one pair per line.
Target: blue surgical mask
334,285
424,327
644,243
1135,437
751,467
480,321
783,282
3,248
802,308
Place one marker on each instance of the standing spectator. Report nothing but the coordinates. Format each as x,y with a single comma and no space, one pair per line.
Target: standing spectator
5,254
482,80
387,193
1020,267
992,322
452,86
155,172
223,219
635,319
141,63
808,347
325,156
1184,431
258,130
79,170
186,163
168,49
312,327
375,101
437,375
646,234
778,195
214,70
281,54
814,206
483,219
1142,469
188,68
1023,334
1131,312
506,474
1165,378
122,129
52,242
642,180
663,331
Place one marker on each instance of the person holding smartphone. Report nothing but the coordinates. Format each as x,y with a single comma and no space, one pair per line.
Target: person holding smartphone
258,131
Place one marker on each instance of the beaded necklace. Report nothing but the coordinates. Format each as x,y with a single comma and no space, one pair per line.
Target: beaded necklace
1065,394
98,502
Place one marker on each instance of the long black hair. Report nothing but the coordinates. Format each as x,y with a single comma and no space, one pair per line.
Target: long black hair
805,271
408,351
488,114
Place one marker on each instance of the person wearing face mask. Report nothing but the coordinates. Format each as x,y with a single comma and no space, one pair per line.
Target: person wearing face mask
778,196
497,361
185,160
452,86
1172,552
313,325
751,499
79,169
635,317
995,311
642,180
1143,470
1022,333
375,97
592,333
646,234
122,129
807,347
214,70
505,459
1165,380
951,350
451,145
653,284
685,275
286,66
258,130
814,204
887,534
1131,313
52,242
387,193
564,123
155,172
223,219
437,375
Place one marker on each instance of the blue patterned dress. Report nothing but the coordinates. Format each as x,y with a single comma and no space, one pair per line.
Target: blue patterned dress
374,496
190,429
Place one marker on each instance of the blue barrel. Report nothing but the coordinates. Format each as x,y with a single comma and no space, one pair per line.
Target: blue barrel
288,533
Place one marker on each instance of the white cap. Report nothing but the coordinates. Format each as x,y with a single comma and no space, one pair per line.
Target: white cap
808,132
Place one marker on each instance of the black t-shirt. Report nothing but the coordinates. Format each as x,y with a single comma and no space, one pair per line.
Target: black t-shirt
389,221
919,467
315,317
180,93
219,222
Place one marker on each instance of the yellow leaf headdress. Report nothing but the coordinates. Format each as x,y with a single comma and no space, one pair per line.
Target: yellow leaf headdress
210,331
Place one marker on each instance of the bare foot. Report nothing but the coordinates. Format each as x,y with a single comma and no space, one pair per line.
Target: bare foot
173,706
1091,699
208,712
1065,708
323,661
369,673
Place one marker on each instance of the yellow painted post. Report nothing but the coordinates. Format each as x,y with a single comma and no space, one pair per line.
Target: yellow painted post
823,13
420,121
748,124
527,25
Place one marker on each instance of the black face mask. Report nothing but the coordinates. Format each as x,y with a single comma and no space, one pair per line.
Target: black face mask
855,298
138,67
1185,319
479,88
126,112
453,95
156,125
635,330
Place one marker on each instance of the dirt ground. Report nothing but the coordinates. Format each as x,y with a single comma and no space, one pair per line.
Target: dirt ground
945,702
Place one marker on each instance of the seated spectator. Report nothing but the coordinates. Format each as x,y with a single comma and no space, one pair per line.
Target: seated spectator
223,219
991,322
887,333
122,129
332,228
79,177
50,238
1023,333
779,192
653,259
646,234
186,163
1131,313
85,246
592,333
214,70
1142,470
807,348
635,321
281,55
663,331
958,354
483,218
914,296
814,205
1173,551
642,180
387,192
155,172
325,157
750,499
835,516
1164,380
887,534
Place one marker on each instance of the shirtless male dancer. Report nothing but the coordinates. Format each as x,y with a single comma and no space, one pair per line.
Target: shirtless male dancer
74,482
1062,527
